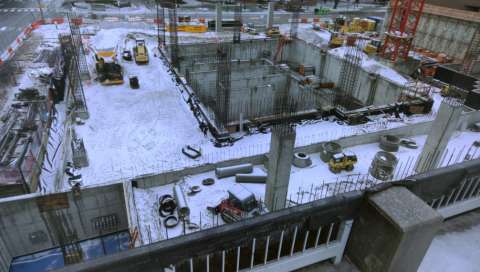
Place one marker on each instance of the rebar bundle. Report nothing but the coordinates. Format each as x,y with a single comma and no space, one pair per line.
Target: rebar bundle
238,23
172,15
223,84
348,77
160,21
295,6
75,87
74,22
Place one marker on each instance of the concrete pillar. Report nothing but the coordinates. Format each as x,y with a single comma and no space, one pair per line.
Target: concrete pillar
219,18
271,9
279,164
323,60
373,78
393,231
443,127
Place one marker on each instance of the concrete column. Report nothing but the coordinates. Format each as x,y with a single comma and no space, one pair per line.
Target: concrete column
323,60
271,9
279,164
393,231
445,124
219,18
373,78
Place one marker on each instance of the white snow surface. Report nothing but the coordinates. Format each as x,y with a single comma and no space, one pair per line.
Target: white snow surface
372,66
306,184
452,252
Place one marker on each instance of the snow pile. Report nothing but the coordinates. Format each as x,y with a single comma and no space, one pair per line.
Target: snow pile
451,252
372,66
319,38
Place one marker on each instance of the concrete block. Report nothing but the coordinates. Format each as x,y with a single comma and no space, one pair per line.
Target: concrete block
393,232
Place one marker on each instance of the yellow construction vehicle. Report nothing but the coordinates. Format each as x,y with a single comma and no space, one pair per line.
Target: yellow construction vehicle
370,49
140,52
108,71
273,32
336,40
445,91
342,161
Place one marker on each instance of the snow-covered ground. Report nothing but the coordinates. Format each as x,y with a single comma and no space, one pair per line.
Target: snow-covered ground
137,132
452,252
305,184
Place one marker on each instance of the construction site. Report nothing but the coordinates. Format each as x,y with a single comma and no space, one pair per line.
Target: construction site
241,136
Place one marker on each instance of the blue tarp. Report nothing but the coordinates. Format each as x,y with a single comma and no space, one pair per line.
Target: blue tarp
52,259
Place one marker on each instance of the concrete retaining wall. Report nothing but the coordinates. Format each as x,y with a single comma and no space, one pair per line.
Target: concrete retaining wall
31,223
446,35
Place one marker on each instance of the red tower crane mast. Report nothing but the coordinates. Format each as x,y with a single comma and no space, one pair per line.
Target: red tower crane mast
401,30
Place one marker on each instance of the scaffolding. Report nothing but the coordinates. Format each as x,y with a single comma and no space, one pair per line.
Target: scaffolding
402,27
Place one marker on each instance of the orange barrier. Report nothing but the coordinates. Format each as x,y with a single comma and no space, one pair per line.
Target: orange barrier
37,24
58,20
77,21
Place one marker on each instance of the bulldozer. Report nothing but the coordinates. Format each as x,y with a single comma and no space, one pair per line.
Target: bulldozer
140,52
108,71
342,161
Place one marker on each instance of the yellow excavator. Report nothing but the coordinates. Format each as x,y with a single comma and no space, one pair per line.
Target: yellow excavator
109,72
140,52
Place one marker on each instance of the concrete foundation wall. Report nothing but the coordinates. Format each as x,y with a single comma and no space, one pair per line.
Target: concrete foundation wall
206,52
387,91
30,223
444,34
170,177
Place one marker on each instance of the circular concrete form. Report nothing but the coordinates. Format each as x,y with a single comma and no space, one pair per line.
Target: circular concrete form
328,149
301,160
389,143
383,165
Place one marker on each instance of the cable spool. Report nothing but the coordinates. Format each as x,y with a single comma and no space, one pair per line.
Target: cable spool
208,181
328,149
383,165
389,143
301,160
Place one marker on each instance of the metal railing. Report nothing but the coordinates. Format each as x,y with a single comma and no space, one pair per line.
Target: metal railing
285,240
451,190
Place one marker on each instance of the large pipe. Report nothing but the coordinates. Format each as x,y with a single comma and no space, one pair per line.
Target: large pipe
251,178
182,204
223,172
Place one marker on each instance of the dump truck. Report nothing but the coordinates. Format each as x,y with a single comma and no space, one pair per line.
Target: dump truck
109,72
342,161
140,52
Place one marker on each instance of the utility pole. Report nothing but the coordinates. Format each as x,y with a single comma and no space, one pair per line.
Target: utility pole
41,10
